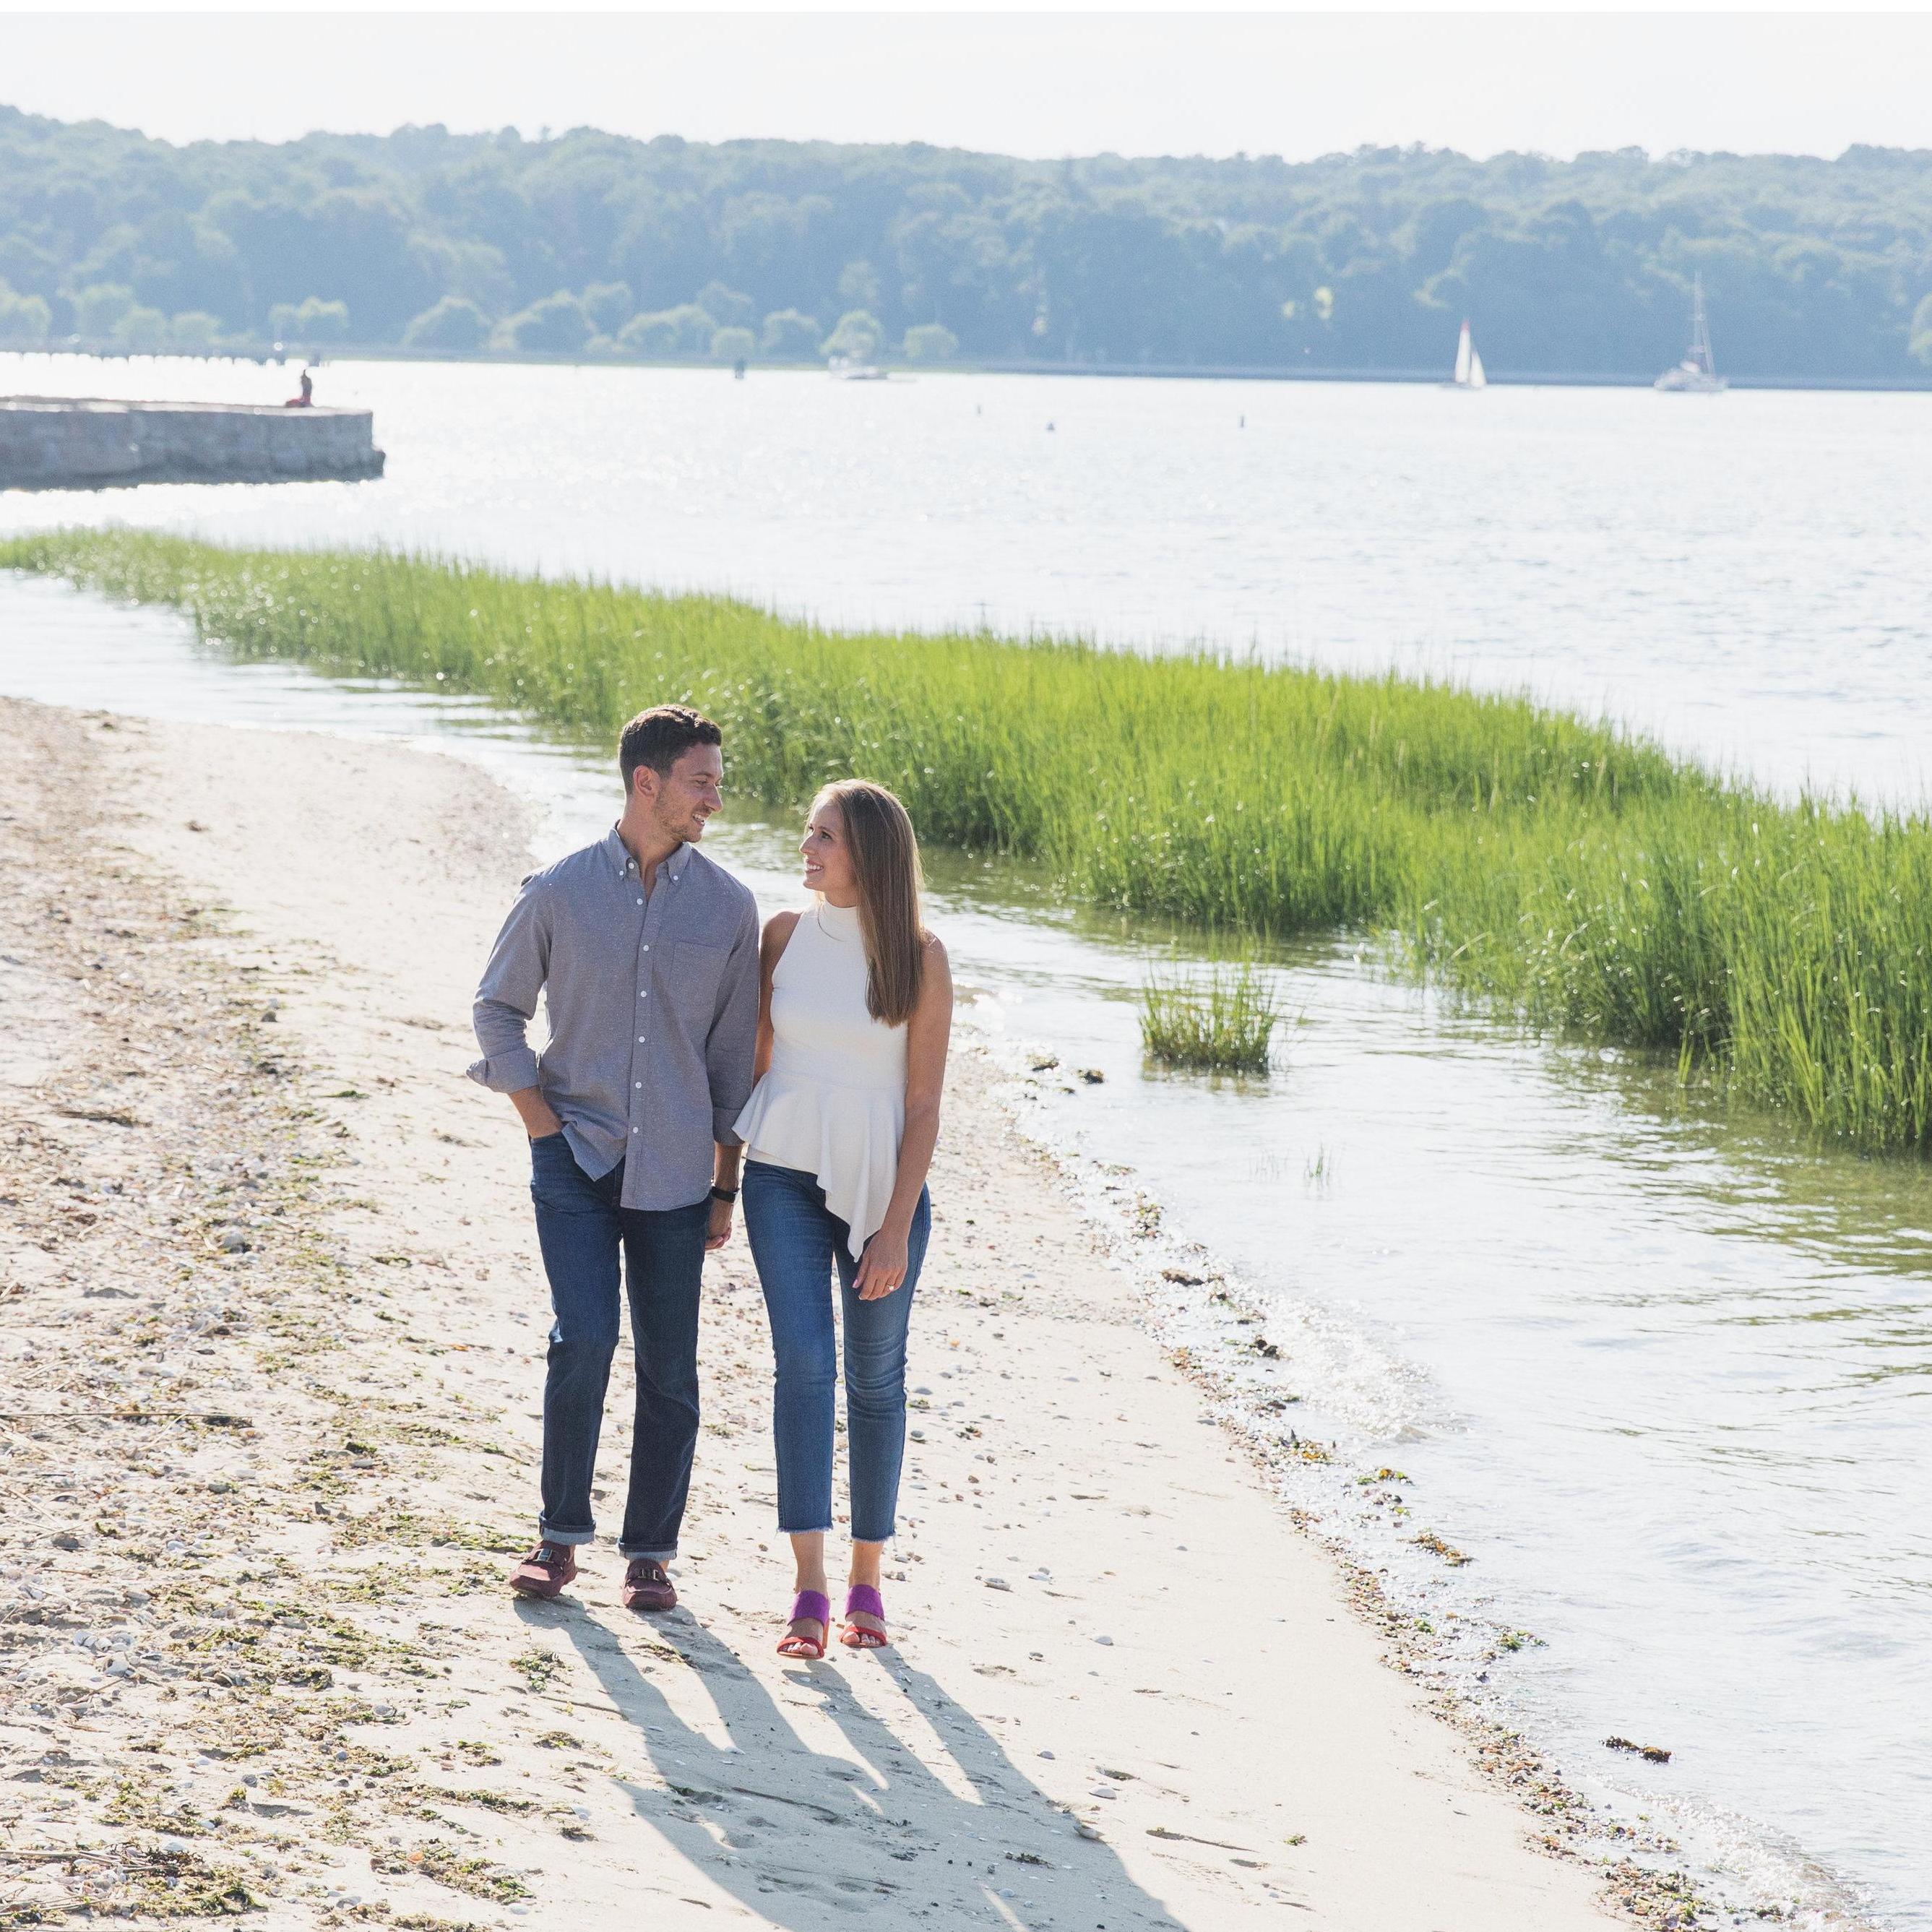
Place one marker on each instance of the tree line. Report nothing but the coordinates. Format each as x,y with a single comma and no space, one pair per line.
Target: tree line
591,244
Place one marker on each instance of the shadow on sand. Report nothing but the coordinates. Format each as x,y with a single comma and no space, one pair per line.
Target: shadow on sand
810,1840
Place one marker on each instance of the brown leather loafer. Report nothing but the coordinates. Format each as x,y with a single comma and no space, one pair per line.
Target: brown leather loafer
545,1571
646,1587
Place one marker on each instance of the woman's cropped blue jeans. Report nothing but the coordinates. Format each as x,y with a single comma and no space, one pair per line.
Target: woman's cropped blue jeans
797,1242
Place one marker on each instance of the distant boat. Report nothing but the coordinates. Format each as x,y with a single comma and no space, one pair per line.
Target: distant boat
1468,364
1696,375
847,369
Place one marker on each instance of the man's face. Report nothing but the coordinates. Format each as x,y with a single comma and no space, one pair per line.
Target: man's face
680,802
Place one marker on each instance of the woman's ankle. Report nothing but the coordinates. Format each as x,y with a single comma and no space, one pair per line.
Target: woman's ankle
807,1562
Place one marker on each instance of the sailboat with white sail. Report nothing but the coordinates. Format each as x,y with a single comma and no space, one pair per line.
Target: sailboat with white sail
1696,375
1468,363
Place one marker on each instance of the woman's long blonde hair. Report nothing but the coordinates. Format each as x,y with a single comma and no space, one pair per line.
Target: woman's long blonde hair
885,862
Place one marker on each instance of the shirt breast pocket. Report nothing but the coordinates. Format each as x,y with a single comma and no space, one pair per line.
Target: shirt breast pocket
695,971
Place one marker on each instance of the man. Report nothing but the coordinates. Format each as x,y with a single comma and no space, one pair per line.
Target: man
646,956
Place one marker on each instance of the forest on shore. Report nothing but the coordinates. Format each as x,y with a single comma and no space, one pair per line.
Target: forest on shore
594,244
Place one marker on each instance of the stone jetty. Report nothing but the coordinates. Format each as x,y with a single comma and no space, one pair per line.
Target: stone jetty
87,443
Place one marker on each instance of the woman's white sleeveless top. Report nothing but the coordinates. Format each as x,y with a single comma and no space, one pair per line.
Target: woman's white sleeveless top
833,1103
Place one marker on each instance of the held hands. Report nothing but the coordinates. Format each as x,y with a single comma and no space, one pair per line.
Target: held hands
882,1267
718,1231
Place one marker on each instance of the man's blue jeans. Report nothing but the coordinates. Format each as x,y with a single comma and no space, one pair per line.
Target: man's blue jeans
581,1228
796,1241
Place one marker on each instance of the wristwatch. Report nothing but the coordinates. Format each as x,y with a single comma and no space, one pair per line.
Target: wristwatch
727,1195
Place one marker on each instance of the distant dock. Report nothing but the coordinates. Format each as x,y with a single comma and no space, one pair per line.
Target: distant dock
88,443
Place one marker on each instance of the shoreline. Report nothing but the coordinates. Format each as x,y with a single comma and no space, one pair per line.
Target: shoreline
361,882
1443,1643
320,355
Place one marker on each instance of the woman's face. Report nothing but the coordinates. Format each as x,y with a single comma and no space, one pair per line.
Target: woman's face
828,858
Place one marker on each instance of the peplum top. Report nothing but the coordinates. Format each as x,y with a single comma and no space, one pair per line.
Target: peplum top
832,1101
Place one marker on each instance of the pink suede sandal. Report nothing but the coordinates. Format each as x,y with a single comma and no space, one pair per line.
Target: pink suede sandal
867,1602
816,1606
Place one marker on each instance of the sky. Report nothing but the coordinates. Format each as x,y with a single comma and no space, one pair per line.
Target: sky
1032,83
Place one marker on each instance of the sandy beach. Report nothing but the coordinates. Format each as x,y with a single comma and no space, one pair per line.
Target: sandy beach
273,1356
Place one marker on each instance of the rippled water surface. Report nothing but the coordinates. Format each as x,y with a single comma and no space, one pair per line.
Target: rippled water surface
1661,1372
1745,573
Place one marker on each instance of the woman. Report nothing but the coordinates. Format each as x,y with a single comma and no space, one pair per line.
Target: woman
853,1019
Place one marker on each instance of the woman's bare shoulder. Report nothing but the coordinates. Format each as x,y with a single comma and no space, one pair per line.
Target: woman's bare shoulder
778,930
936,969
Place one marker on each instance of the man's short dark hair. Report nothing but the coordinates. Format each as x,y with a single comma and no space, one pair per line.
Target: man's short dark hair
660,737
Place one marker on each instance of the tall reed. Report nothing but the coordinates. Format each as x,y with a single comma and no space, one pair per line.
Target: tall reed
1221,1016
1568,871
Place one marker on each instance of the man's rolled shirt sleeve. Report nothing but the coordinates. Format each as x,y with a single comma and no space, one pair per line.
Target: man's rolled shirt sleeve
506,1000
731,1048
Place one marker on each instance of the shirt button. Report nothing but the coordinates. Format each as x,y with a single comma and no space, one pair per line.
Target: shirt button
634,1130
637,1083
641,1039
640,901
647,945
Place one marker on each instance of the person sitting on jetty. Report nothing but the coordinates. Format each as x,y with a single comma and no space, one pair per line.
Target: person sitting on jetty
306,399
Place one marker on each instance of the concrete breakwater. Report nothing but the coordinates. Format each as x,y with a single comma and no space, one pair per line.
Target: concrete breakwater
85,442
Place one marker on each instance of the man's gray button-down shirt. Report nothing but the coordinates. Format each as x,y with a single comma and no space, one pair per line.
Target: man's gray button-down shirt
652,1001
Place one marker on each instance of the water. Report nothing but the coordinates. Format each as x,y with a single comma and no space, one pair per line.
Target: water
1660,1373
1745,575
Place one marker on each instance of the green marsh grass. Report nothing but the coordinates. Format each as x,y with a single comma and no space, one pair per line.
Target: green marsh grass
1221,1016
1569,873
